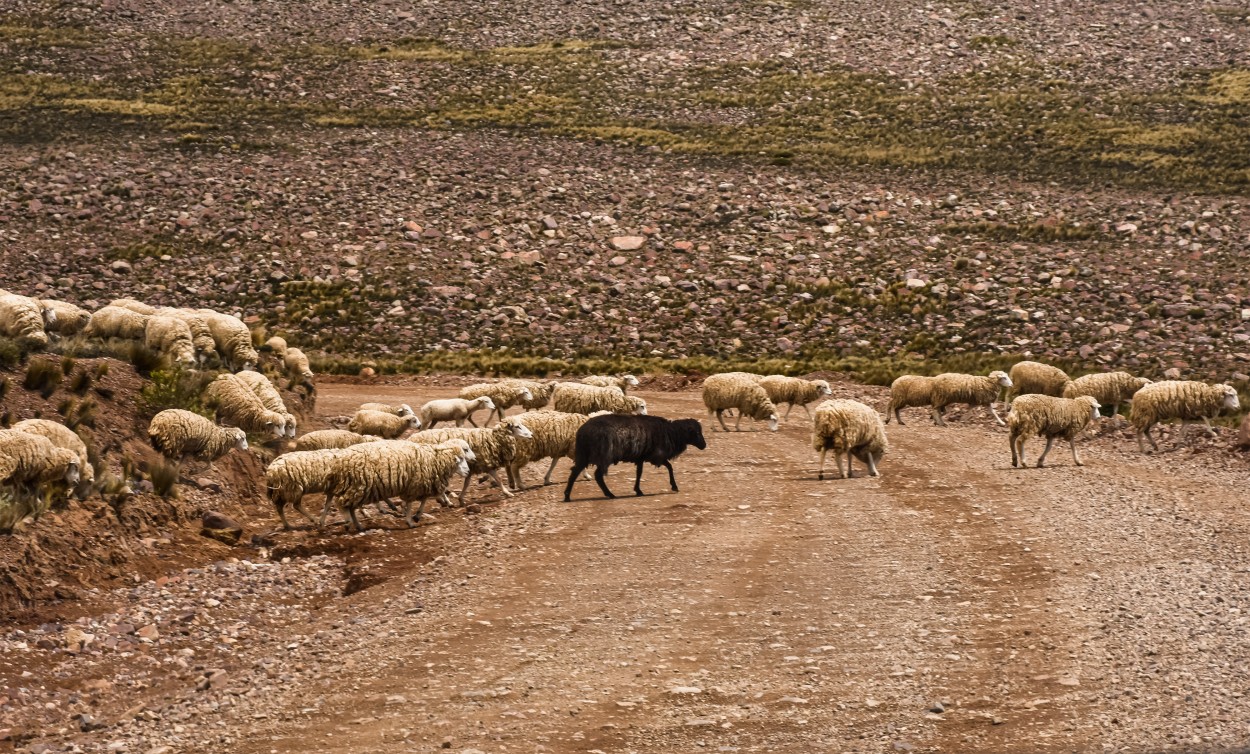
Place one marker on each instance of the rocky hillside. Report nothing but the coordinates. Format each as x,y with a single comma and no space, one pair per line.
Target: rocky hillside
802,180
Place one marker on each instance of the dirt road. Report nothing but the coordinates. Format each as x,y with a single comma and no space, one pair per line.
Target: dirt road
953,604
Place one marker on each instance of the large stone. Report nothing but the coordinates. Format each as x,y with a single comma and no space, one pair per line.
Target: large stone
221,528
1243,434
627,243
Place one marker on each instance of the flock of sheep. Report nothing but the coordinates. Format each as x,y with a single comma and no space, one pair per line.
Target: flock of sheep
592,422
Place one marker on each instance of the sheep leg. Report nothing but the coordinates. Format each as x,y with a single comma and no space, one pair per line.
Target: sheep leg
281,506
720,416
638,479
849,455
1210,429
1041,460
838,457
738,424
1076,458
807,410
355,523
550,469
936,413
494,474
788,410
463,490
577,469
672,479
420,510
872,466
514,478
325,511
1017,450
600,471
299,506
997,418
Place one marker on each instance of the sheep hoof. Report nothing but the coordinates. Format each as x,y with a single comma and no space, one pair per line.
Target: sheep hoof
820,477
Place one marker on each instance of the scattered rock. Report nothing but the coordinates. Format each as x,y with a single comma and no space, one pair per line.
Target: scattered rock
221,527
627,243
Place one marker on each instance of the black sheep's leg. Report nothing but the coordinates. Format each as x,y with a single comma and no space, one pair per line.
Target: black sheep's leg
600,471
672,480
638,480
568,489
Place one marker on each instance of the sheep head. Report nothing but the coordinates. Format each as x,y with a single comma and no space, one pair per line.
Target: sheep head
515,428
1231,401
1001,378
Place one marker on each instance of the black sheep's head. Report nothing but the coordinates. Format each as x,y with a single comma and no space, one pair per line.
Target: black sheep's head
692,432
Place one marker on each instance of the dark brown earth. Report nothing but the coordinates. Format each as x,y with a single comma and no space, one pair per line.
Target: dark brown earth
1062,609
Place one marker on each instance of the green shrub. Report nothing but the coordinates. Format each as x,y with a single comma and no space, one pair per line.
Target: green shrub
4,387
174,388
11,354
43,375
67,365
84,414
16,508
164,478
81,382
144,359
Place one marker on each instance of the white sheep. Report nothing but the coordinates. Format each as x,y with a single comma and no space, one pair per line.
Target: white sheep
1036,378
622,383
908,391
235,403
540,393
70,319
1036,415
331,439
291,476
297,366
738,390
577,398
850,427
373,472
201,335
277,345
402,409
503,394
456,410
554,436
382,424
970,389
133,305
493,448
269,397
25,319
170,336
62,437
29,461
1109,388
1187,400
176,434
794,391
232,338
118,322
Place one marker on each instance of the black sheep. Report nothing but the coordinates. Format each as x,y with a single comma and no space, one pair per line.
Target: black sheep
616,438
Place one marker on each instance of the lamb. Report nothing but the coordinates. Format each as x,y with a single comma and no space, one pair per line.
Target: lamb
384,425
25,318
1186,400
576,398
133,305
176,434
622,383
850,427
331,439
402,409
493,448
555,435
1036,415
453,409
606,440
277,346
1036,378
1109,388
62,437
170,336
235,403
794,391
297,367
504,394
741,391
970,389
908,391
70,319
117,322
269,397
28,461
232,338
373,472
